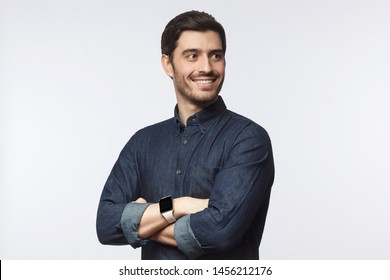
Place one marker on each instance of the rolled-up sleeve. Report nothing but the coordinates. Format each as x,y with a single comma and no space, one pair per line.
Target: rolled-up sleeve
115,208
240,190
130,220
185,238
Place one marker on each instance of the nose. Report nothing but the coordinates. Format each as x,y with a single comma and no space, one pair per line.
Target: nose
205,64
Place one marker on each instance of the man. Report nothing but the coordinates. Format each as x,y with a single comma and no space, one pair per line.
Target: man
196,186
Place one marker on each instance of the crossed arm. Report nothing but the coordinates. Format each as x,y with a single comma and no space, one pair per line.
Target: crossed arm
153,225
217,224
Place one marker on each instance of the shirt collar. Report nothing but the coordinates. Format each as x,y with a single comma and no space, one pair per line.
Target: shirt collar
202,119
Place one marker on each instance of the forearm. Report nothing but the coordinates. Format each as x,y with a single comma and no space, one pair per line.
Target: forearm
166,236
108,223
153,222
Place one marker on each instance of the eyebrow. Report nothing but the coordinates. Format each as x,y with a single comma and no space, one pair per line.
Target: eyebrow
186,51
216,51
190,51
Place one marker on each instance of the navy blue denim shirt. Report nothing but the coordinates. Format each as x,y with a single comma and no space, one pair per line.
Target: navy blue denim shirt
218,155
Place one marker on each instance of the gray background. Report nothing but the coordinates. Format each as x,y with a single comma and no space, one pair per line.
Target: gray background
78,78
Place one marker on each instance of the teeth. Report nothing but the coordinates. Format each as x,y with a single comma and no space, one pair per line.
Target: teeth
204,81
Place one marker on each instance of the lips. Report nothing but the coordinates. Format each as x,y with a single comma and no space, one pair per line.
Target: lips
204,80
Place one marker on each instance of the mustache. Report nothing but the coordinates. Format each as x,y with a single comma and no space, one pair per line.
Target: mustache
210,74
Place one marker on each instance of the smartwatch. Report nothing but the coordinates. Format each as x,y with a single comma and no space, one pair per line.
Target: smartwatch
166,209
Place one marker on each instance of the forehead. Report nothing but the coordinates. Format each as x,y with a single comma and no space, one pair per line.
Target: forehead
202,40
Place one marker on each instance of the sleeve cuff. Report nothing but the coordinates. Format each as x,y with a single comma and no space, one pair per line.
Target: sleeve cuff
185,238
130,220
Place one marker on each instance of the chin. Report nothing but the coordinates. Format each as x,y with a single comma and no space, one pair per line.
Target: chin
205,100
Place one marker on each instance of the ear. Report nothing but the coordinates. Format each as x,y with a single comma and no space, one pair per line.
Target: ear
167,65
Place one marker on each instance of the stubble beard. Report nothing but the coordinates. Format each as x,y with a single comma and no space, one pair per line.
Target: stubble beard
199,99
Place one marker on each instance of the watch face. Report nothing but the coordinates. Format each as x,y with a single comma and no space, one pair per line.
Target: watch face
166,204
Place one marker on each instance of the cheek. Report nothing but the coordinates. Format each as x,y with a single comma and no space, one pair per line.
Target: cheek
186,70
181,76
182,68
221,68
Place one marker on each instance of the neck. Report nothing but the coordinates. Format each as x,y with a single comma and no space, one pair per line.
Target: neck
187,109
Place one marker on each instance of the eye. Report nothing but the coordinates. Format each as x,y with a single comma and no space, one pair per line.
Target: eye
192,56
217,56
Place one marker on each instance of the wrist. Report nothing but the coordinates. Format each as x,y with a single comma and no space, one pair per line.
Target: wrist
166,209
179,206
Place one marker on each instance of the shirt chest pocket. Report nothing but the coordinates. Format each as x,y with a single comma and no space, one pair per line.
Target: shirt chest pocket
200,180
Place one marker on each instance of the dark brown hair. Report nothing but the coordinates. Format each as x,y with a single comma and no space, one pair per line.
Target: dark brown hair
192,20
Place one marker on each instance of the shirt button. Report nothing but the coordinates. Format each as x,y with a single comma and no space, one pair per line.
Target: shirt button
178,172
185,141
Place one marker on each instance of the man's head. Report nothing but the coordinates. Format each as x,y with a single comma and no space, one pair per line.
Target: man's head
193,20
193,48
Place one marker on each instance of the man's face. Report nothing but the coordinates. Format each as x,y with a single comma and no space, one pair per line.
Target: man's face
197,67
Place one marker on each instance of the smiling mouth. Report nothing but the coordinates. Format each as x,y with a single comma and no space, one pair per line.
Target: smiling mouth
204,81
